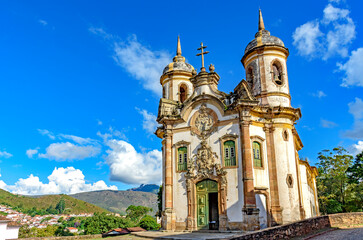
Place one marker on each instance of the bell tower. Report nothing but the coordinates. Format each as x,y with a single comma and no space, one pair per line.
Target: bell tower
176,78
265,63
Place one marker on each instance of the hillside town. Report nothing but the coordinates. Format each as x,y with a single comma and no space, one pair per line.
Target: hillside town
38,220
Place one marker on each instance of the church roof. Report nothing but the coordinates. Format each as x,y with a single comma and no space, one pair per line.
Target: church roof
178,63
263,37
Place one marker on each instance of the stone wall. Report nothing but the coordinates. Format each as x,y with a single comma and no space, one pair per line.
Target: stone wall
65,237
305,227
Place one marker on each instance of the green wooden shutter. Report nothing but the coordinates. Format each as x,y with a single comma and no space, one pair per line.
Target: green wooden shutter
257,159
229,153
182,158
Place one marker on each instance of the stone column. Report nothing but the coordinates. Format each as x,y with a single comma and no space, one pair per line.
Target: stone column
169,214
276,211
250,212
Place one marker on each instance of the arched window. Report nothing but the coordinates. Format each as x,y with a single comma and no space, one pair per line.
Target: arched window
182,158
277,73
229,153
257,158
182,93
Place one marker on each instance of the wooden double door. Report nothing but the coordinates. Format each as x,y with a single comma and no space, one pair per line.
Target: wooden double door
207,205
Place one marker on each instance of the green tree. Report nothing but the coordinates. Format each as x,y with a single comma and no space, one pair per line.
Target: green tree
160,201
149,223
355,172
135,213
355,176
61,205
332,182
101,223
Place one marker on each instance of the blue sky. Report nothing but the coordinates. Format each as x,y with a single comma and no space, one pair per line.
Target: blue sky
80,81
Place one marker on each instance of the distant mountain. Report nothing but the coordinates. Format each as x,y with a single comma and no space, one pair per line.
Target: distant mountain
72,205
153,188
118,201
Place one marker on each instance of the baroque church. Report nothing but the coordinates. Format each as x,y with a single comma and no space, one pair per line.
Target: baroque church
230,161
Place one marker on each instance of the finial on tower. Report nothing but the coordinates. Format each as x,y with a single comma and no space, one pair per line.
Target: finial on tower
178,49
261,25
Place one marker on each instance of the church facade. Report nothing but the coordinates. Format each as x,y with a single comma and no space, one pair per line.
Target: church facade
230,161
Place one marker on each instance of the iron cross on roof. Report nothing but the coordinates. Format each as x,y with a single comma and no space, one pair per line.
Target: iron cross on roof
202,53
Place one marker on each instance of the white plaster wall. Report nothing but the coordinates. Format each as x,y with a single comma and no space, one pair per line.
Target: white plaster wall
285,164
304,191
261,205
167,90
3,230
307,194
12,233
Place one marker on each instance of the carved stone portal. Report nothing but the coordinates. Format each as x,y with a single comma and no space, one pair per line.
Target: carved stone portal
200,167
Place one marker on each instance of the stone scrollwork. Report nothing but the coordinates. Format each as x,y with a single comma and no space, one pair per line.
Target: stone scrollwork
203,164
168,108
203,122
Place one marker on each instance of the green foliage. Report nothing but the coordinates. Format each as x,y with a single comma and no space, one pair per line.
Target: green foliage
336,190
61,205
355,172
160,201
149,223
26,232
3,213
135,213
101,223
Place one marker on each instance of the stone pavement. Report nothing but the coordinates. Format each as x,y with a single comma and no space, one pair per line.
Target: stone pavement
342,234
186,235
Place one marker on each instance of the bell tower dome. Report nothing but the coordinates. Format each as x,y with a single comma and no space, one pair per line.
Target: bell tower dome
265,63
176,78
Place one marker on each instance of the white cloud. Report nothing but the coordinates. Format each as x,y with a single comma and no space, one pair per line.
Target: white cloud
67,151
149,121
47,133
112,133
306,38
99,122
138,60
129,166
335,38
332,14
43,22
319,94
31,152
353,69
336,1
327,124
5,154
356,148
62,180
356,109
79,140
